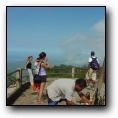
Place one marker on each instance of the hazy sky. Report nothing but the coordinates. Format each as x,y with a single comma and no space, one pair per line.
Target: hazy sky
66,34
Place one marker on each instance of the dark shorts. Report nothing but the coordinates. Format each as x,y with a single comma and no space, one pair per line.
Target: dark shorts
43,78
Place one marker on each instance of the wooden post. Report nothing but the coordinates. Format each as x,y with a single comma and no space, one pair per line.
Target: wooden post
73,72
19,78
101,77
99,85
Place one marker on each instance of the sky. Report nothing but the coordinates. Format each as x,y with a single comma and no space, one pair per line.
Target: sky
66,34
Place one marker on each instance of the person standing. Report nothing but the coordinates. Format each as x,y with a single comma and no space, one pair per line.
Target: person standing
65,88
28,66
42,74
36,65
93,66
36,85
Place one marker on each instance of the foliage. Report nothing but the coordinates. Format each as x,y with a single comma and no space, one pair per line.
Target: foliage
64,71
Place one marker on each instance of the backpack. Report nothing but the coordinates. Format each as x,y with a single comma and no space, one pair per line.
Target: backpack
94,63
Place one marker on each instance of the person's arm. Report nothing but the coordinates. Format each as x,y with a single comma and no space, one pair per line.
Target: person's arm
46,60
45,65
88,68
83,97
26,64
35,63
88,65
68,97
70,102
98,66
86,100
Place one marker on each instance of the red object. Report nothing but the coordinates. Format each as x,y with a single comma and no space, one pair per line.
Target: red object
35,85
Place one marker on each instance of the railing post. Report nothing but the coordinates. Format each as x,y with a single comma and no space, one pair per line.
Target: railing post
19,78
101,77
99,85
73,72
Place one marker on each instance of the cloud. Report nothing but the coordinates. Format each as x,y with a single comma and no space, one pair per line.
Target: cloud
80,45
99,27
73,39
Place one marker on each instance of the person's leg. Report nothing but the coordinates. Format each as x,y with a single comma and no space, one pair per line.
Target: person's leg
88,82
41,88
50,102
94,78
89,76
30,76
94,82
87,79
38,88
53,103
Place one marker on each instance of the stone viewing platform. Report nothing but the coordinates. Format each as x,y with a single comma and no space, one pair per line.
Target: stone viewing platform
19,92
29,97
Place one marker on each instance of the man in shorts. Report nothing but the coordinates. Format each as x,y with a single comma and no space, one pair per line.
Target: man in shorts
91,74
65,88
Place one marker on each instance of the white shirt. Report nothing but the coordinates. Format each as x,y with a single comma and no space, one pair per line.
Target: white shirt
90,59
36,67
61,88
42,71
35,64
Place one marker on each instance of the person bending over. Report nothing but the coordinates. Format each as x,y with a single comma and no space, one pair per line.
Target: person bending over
64,88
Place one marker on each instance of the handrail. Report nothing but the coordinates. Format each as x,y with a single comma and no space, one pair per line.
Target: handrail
58,73
24,76
75,73
11,83
19,70
12,72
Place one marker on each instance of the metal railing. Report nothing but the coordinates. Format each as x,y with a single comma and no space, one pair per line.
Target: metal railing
18,79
